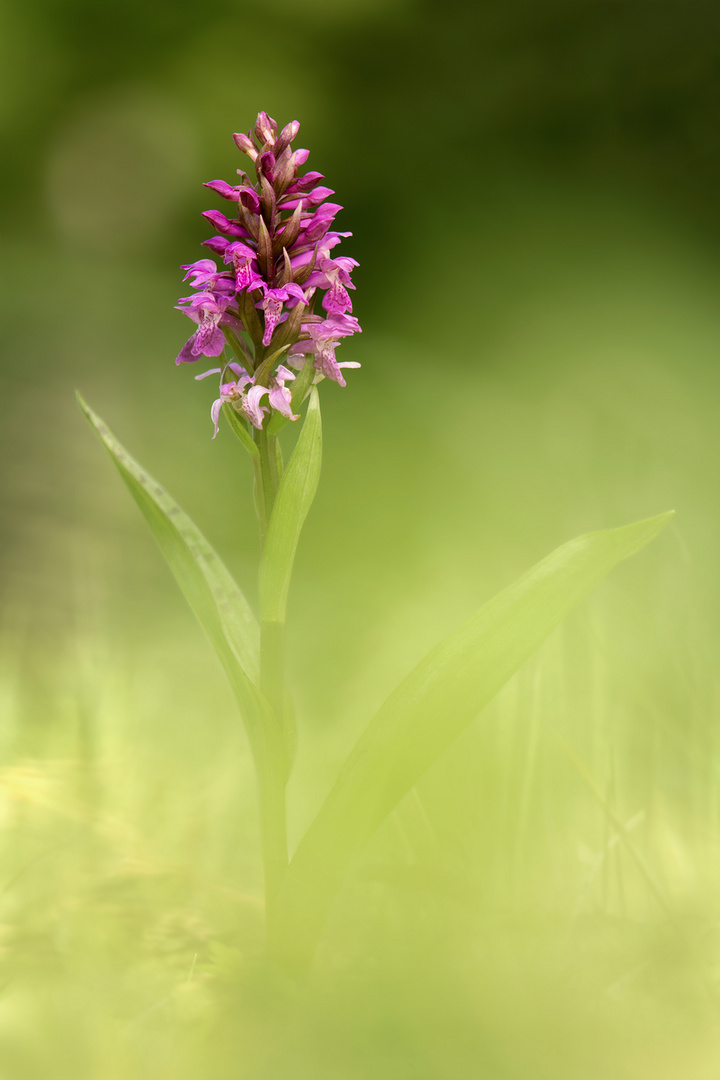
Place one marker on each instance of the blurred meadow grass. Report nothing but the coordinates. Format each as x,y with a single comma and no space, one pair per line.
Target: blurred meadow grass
545,903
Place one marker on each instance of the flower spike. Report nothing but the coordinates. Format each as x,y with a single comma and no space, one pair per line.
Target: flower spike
283,292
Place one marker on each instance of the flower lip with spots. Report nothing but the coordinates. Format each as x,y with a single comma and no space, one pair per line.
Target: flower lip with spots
209,311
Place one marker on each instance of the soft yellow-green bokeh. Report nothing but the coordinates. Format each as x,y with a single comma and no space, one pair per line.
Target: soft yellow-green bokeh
539,359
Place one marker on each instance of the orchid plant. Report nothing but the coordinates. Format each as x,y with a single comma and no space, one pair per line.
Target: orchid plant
273,317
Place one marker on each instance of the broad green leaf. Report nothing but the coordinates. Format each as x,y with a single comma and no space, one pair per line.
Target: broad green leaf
428,710
292,503
208,586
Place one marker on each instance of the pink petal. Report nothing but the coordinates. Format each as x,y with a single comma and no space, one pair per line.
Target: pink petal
281,399
223,189
252,407
283,374
245,143
215,414
186,354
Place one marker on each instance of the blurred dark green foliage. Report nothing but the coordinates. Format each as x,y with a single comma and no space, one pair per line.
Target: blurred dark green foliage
532,189
428,96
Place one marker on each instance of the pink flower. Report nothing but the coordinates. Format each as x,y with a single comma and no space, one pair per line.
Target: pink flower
209,312
243,259
272,305
247,402
324,339
278,395
333,275
204,273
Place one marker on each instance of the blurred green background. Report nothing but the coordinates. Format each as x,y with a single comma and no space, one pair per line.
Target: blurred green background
532,187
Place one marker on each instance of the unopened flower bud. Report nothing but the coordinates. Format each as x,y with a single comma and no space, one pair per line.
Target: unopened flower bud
286,136
265,128
267,165
223,189
245,143
250,199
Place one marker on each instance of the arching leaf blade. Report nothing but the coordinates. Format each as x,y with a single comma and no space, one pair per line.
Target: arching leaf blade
427,711
208,586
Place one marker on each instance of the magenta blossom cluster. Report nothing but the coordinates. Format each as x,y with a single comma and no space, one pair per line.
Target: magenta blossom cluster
266,306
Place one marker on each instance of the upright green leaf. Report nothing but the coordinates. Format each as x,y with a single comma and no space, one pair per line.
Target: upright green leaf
428,710
292,503
208,586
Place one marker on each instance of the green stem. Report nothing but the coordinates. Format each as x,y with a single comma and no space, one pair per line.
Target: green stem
272,633
272,665
272,794
259,491
266,472
274,834
265,467
272,684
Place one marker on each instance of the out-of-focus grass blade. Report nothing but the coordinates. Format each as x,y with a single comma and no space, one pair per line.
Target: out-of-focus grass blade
292,503
208,586
428,710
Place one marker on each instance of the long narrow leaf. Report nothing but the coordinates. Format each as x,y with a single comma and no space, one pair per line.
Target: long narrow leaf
292,503
428,710
208,586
